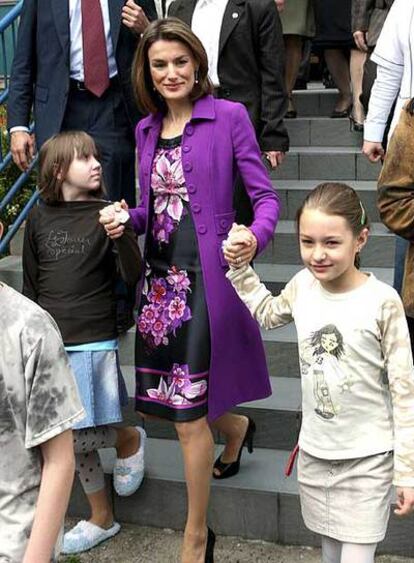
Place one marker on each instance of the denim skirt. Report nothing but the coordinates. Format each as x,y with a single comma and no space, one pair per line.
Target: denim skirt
101,386
348,500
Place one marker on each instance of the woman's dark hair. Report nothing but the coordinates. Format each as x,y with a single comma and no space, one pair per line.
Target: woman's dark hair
168,29
335,198
316,341
55,158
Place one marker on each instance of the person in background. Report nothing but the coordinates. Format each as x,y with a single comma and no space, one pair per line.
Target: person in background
368,17
39,405
343,59
244,45
298,22
72,66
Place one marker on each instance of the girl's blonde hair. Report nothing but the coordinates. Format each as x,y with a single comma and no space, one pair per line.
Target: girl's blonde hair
335,198
167,29
55,158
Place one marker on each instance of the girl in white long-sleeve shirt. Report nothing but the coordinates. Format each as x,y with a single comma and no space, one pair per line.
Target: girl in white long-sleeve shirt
357,435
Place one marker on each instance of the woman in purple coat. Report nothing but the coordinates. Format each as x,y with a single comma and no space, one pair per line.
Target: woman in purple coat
198,351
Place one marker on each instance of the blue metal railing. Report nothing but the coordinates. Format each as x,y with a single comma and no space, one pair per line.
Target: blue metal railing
8,37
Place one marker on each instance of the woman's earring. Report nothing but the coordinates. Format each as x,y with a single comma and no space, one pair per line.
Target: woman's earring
196,76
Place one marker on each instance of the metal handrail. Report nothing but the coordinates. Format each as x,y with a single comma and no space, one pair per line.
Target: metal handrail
11,15
9,21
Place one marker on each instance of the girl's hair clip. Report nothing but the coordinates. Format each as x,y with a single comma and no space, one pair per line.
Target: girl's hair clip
363,214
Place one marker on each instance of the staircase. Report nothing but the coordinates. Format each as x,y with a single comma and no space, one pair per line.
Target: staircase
260,503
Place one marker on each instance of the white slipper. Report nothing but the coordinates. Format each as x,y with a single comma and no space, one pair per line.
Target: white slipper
85,536
129,472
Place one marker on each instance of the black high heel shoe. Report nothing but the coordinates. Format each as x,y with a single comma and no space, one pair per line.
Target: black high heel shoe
355,125
211,540
232,468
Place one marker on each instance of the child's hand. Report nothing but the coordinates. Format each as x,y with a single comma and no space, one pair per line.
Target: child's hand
113,217
405,501
240,246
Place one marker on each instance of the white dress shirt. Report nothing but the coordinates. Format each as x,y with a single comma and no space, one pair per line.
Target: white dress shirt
76,45
394,56
206,24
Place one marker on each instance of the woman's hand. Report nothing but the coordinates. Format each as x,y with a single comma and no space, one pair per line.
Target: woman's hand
405,501
113,217
240,247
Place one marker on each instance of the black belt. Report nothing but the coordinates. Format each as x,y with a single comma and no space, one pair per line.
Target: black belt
80,86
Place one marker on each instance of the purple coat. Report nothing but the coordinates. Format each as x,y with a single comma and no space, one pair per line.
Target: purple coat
218,142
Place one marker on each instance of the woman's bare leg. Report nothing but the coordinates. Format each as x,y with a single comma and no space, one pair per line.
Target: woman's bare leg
293,56
357,72
233,427
338,66
198,448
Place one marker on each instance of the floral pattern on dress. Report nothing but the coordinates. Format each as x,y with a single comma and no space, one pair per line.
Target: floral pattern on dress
166,309
177,388
170,192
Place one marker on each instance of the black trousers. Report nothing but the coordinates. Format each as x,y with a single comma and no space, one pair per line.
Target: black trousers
106,120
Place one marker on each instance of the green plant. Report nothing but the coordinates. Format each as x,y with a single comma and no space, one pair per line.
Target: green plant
9,175
72,559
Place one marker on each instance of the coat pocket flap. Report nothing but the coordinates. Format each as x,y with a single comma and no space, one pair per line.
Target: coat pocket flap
223,222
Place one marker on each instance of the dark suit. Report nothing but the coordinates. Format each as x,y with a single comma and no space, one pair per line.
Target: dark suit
251,71
41,79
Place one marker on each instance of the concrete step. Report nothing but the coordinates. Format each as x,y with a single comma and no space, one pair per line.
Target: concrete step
293,192
258,503
322,132
284,247
315,101
326,163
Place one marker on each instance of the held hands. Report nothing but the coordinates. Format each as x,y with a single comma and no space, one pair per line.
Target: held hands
240,247
22,146
133,16
373,151
113,217
405,501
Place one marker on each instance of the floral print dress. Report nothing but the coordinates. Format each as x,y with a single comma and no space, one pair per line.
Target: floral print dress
173,336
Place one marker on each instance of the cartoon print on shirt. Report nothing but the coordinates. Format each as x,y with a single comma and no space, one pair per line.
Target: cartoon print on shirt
325,348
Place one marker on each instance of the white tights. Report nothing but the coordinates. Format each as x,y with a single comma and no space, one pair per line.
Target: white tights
334,551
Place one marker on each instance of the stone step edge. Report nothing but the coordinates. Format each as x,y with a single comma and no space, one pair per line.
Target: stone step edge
261,471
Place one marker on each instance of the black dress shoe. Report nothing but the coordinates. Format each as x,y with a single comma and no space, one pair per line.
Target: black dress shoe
232,468
337,114
211,540
355,125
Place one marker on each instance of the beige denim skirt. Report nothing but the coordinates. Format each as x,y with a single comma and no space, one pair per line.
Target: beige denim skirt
348,500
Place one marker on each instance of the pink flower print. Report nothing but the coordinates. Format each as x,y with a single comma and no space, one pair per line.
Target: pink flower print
195,389
158,331
176,308
148,314
180,377
158,291
178,279
167,394
162,227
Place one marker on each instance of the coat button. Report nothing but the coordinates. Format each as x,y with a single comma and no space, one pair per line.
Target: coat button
196,207
202,229
188,166
189,130
191,189
186,148
223,223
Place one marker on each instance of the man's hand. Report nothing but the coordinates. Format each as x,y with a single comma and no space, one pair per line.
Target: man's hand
275,158
22,146
405,501
361,40
133,16
373,151
280,5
